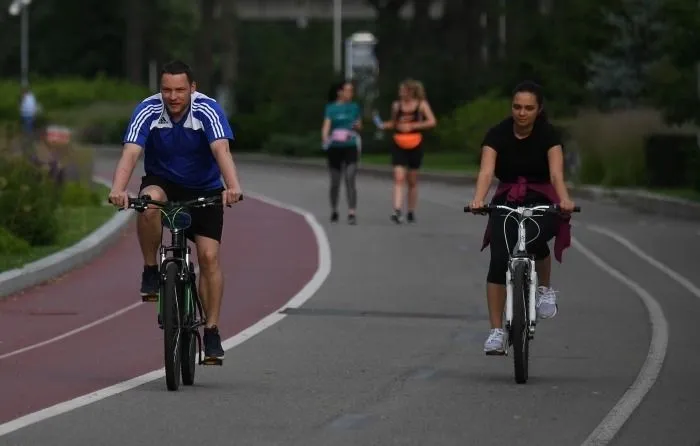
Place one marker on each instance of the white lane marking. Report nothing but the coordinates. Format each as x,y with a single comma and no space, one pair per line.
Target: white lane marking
72,332
319,277
684,282
618,415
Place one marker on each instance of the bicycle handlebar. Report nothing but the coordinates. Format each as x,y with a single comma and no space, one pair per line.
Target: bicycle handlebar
546,208
140,203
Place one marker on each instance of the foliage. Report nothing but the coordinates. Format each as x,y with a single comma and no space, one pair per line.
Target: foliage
674,77
612,146
77,194
293,145
619,73
59,96
11,244
28,200
467,125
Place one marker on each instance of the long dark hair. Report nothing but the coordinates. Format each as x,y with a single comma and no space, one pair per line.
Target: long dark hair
535,89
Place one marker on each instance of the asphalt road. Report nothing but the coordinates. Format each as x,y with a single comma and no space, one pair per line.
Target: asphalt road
389,349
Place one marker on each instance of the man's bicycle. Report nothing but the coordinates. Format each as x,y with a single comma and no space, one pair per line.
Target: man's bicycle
180,311
521,285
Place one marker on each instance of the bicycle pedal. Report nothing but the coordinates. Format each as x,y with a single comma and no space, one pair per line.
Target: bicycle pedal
212,361
150,298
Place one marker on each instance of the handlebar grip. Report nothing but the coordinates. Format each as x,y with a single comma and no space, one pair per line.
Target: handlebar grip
577,208
467,209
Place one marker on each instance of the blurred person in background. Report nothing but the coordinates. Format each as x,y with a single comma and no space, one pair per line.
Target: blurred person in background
411,114
28,109
339,133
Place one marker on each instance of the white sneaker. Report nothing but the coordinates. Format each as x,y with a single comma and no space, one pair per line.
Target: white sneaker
494,343
546,303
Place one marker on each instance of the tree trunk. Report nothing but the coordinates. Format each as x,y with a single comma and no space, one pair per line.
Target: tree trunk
204,69
133,56
229,59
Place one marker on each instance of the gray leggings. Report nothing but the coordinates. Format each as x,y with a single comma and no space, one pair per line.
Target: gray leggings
350,189
339,159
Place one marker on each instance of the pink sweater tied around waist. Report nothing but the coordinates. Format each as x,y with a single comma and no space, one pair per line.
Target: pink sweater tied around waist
516,194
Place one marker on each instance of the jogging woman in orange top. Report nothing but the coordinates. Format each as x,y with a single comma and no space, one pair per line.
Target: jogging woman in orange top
410,116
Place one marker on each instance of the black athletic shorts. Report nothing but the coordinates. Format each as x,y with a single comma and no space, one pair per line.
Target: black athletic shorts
206,222
410,159
337,156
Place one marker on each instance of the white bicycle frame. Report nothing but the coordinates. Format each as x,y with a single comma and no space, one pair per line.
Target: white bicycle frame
520,255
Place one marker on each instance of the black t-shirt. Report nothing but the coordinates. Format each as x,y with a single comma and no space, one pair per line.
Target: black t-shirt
525,157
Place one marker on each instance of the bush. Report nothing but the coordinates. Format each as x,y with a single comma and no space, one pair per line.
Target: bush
611,145
98,123
293,145
77,194
672,161
28,201
11,244
60,95
466,126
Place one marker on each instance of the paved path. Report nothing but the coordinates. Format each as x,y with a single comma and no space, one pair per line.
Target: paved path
388,351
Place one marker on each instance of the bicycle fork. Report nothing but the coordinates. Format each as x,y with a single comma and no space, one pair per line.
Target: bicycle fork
531,283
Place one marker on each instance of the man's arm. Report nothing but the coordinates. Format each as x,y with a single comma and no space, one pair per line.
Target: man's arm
134,141
125,166
222,154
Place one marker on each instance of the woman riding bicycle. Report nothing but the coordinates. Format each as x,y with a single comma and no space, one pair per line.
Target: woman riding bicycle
524,152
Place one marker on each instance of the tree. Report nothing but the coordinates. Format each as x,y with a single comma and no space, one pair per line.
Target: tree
620,73
674,77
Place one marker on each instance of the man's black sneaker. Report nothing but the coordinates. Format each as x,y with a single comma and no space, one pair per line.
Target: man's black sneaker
213,351
352,219
410,217
149,282
334,217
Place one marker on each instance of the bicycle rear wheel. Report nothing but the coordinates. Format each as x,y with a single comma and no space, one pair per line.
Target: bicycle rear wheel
520,339
172,327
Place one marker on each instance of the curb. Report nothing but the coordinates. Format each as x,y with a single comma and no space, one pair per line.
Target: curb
61,262
639,200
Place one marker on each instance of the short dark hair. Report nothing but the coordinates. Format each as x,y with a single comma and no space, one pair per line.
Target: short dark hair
177,67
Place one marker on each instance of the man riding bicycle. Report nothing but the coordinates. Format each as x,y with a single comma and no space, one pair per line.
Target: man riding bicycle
185,138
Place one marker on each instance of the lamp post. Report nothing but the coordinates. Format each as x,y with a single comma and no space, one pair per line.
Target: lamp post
21,7
337,35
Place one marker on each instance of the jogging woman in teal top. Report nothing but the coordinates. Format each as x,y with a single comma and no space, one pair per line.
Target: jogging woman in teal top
340,139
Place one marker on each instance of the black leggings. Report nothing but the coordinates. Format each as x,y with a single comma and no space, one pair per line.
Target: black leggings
500,250
339,158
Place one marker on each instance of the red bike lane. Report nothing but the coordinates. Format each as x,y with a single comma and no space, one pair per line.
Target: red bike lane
268,255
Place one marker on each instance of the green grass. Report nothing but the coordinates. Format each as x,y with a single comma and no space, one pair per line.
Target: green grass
437,161
75,223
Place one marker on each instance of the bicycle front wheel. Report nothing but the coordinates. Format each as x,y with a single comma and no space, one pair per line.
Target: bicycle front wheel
172,327
521,341
189,337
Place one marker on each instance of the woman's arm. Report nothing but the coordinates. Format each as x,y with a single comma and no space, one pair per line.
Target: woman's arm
555,157
325,129
486,170
391,123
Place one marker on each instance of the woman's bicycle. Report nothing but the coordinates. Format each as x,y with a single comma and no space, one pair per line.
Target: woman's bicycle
180,311
521,285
